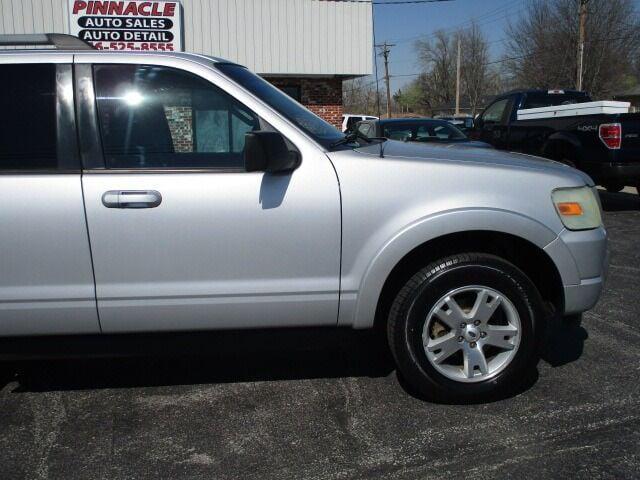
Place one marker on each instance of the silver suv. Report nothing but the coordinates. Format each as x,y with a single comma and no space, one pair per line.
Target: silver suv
164,192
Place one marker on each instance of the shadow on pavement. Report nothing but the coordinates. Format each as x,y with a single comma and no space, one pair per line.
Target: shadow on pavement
125,361
77,363
564,341
619,202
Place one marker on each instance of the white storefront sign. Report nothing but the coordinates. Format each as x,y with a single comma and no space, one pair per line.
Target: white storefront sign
127,25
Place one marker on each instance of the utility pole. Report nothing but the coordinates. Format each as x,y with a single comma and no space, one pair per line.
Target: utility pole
458,78
582,11
386,50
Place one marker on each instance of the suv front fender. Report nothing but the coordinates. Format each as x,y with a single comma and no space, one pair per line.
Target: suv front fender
358,308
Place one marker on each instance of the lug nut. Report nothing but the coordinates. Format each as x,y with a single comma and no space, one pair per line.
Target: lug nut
476,323
463,325
483,334
472,344
461,338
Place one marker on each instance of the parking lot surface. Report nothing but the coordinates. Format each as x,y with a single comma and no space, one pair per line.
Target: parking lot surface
320,404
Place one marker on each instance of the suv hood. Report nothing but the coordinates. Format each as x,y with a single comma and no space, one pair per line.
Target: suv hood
395,150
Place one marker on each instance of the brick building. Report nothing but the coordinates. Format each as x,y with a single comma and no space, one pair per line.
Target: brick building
305,47
323,96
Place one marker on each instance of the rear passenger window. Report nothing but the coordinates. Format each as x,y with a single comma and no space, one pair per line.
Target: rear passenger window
495,112
364,129
28,122
158,117
551,100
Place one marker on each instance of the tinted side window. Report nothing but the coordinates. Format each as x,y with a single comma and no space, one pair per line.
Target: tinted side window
158,117
398,132
364,129
28,122
495,112
538,101
445,131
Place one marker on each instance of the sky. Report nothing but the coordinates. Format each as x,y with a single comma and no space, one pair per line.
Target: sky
403,24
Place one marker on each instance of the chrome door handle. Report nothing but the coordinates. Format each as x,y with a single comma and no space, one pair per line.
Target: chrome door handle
131,199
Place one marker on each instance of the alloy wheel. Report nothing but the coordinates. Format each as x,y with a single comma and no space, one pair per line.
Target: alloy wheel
471,334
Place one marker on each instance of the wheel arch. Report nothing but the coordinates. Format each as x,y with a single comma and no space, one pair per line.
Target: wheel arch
512,236
562,145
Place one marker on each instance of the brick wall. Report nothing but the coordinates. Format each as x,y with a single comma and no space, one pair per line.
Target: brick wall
323,96
181,127
178,111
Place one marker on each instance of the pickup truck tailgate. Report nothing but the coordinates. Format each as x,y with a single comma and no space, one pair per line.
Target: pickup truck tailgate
630,149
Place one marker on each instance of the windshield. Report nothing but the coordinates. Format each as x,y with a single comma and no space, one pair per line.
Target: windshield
423,131
322,132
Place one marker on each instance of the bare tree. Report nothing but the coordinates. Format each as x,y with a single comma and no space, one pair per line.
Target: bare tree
359,96
477,77
541,45
438,58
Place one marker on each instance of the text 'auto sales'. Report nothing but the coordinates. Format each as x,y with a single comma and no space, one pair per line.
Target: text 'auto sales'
130,25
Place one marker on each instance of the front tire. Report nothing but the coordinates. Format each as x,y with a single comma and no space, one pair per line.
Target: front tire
466,328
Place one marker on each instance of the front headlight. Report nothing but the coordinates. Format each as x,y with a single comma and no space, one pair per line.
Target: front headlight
578,207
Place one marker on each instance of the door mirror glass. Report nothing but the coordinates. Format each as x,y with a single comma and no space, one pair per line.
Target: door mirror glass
266,151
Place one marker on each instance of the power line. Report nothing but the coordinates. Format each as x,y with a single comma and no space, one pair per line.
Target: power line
386,50
391,2
375,59
407,2
407,60
484,19
520,57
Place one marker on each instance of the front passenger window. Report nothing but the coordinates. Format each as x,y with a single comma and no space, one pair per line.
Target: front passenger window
159,117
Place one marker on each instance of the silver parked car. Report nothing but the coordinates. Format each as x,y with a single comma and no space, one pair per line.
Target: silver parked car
165,192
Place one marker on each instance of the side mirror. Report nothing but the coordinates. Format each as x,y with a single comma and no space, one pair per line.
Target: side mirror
267,152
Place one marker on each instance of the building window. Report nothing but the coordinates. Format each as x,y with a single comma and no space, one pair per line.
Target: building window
294,91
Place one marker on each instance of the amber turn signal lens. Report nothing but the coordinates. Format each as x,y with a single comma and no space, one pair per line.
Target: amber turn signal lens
570,209
577,207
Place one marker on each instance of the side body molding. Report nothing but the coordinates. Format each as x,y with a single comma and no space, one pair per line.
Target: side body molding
357,308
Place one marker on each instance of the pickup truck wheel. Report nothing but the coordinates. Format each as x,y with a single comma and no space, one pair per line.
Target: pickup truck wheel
466,328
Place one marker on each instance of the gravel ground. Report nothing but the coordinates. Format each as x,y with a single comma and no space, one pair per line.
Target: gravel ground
309,404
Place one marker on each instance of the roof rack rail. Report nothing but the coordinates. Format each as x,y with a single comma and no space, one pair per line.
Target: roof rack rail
60,41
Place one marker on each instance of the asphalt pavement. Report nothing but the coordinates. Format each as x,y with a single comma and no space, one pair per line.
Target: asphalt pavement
327,405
